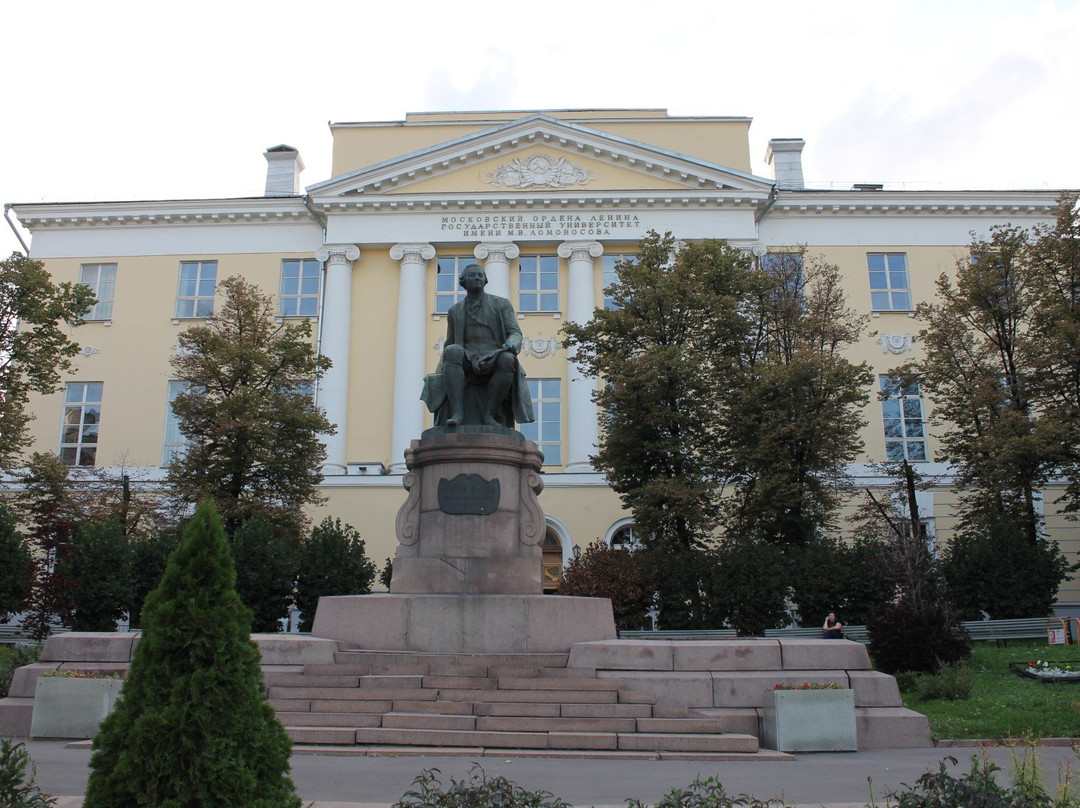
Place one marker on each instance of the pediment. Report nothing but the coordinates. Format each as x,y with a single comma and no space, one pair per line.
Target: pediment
539,155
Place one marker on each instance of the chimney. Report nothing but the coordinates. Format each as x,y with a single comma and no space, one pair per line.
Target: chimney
785,156
283,167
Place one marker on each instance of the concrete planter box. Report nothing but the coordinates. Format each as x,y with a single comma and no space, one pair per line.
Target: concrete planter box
809,720
71,708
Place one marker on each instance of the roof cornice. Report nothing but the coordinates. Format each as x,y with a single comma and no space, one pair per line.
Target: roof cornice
916,203
278,209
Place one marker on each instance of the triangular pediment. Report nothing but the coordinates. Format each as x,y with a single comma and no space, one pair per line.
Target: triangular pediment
543,156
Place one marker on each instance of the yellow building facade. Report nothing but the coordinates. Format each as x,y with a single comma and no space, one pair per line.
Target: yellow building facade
546,202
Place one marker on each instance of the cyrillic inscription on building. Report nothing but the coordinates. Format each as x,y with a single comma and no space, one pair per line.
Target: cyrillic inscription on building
536,225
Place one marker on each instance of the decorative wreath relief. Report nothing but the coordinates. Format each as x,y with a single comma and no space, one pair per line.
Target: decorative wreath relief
539,171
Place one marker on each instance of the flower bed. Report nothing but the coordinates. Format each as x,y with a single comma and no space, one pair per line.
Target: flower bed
1056,672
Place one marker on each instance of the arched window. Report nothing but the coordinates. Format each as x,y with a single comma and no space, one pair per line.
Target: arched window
625,537
553,560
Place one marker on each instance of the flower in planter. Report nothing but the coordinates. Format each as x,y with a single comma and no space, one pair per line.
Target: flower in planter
74,674
811,686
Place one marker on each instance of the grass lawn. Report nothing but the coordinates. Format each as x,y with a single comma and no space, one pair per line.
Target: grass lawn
1004,705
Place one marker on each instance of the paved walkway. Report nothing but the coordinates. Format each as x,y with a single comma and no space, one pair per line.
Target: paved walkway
833,779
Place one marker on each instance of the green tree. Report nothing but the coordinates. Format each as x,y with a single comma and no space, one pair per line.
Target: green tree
251,423
793,413
16,566
99,569
673,339
265,570
193,728
613,573
35,349
1053,261
331,561
1002,365
46,508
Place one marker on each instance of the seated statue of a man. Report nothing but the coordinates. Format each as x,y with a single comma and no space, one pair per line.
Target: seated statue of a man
479,379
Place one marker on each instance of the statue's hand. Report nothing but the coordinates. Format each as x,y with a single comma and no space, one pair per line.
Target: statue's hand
514,349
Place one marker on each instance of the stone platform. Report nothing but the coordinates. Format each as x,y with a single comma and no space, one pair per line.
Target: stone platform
449,624
664,697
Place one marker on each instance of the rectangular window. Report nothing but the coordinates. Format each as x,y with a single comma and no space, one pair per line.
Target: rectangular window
79,430
546,430
101,278
608,276
195,295
447,270
902,416
175,442
889,288
538,283
299,296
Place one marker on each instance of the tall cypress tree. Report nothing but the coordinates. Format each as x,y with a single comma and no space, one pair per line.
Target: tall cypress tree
192,728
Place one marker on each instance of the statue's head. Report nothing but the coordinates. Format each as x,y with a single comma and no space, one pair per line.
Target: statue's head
475,269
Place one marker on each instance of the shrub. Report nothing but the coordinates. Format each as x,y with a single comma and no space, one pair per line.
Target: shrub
149,555
939,789
332,561
478,791
619,575
993,567
265,571
192,728
17,773
909,637
11,659
16,566
99,568
832,575
707,793
951,683
747,585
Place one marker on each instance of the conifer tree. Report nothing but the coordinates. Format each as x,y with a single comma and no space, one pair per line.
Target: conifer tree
192,728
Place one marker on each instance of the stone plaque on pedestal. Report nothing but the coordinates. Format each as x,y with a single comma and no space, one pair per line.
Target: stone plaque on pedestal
472,523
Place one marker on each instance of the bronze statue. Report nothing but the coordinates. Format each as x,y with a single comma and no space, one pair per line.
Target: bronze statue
479,379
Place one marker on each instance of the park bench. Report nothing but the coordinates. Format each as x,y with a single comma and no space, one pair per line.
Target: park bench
999,631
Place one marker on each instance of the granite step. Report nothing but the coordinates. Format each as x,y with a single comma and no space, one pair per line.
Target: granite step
428,721
553,683
353,693
434,707
560,724
673,742
354,720
548,696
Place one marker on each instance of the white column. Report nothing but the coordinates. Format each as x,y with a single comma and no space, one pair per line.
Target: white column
412,317
582,426
497,258
336,336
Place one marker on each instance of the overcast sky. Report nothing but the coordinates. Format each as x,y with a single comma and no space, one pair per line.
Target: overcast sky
139,100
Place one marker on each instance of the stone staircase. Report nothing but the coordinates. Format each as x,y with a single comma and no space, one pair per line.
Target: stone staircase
521,701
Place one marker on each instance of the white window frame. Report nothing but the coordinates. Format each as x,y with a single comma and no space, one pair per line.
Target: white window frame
536,273
101,278
81,413
174,442
608,275
545,431
904,409
447,272
292,303
889,294
200,304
